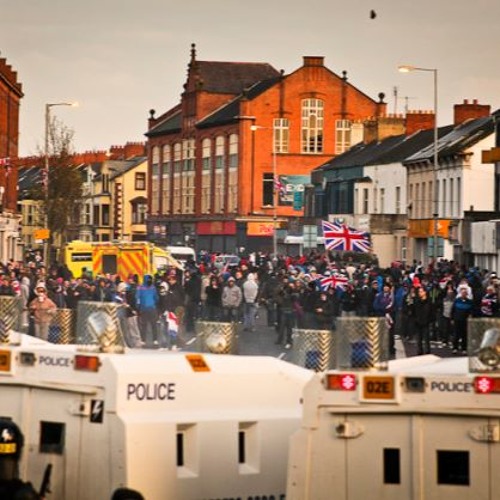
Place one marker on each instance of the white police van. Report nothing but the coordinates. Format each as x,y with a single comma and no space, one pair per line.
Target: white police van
170,425
427,428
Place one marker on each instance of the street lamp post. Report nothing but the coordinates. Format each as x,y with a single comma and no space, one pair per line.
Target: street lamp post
435,215
46,174
275,200
253,128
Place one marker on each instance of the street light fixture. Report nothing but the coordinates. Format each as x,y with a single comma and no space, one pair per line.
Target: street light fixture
45,175
253,128
435,215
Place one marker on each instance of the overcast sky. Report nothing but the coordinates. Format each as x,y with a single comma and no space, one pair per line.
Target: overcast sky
121,58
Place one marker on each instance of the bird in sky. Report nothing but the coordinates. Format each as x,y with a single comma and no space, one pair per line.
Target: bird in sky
373,14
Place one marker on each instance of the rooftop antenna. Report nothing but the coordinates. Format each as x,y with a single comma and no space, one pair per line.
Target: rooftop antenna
407,98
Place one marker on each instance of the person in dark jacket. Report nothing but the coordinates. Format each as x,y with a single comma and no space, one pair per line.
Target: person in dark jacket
214,300
11,445
268,298
103,291
325,311
308,300
349,301
287,296
192,289
383,306
462,309
423,315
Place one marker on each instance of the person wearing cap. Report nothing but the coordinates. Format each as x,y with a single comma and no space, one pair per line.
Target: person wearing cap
11,445
43,310
231,300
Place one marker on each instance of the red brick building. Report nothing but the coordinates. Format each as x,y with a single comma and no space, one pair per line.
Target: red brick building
10,97
213,156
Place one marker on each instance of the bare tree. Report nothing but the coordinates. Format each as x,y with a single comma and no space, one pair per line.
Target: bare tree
64,192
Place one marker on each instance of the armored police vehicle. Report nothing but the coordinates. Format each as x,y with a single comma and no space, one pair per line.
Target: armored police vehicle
425,428
170,425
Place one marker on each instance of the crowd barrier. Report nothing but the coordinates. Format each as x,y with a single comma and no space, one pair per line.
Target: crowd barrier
355,343
216,337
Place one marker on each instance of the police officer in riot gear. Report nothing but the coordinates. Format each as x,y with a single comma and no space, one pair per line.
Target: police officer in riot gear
11,444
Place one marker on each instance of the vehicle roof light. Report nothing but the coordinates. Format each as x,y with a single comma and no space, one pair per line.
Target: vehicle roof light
87,363
487,385
341,381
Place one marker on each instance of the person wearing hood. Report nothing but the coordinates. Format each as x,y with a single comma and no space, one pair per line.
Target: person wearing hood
231,300
42,310
250,292
146,299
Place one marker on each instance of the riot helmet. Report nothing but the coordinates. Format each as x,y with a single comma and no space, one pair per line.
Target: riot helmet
11,444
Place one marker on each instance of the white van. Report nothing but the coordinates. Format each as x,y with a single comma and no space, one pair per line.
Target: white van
182,254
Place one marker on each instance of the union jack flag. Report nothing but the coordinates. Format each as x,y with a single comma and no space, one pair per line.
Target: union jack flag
279,186
334,281
344,238
172,323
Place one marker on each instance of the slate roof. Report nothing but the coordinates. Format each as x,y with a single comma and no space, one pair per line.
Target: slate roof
228,112
456,140
124,166
390,150
170,125
362,154
231,77
27,178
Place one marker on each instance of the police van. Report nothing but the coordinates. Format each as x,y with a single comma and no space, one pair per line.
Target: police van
170,425
425,428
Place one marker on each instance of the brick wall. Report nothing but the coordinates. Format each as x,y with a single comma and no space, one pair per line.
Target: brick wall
470,111
10,97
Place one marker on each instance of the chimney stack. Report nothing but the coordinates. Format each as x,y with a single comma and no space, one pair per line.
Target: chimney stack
419,120
470,111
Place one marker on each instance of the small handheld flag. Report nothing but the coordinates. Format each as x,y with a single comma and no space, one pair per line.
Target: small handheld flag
172,323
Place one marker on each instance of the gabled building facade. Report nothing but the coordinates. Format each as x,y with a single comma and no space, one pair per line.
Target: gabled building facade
239,130
10,98
114,205
464,183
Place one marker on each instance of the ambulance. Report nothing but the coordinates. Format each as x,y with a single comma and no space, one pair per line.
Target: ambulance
122,258
171,425
425,428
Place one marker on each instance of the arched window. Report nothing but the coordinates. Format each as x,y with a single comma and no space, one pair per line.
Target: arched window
312,125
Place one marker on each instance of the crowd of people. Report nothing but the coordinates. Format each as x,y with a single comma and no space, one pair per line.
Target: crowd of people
421,304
